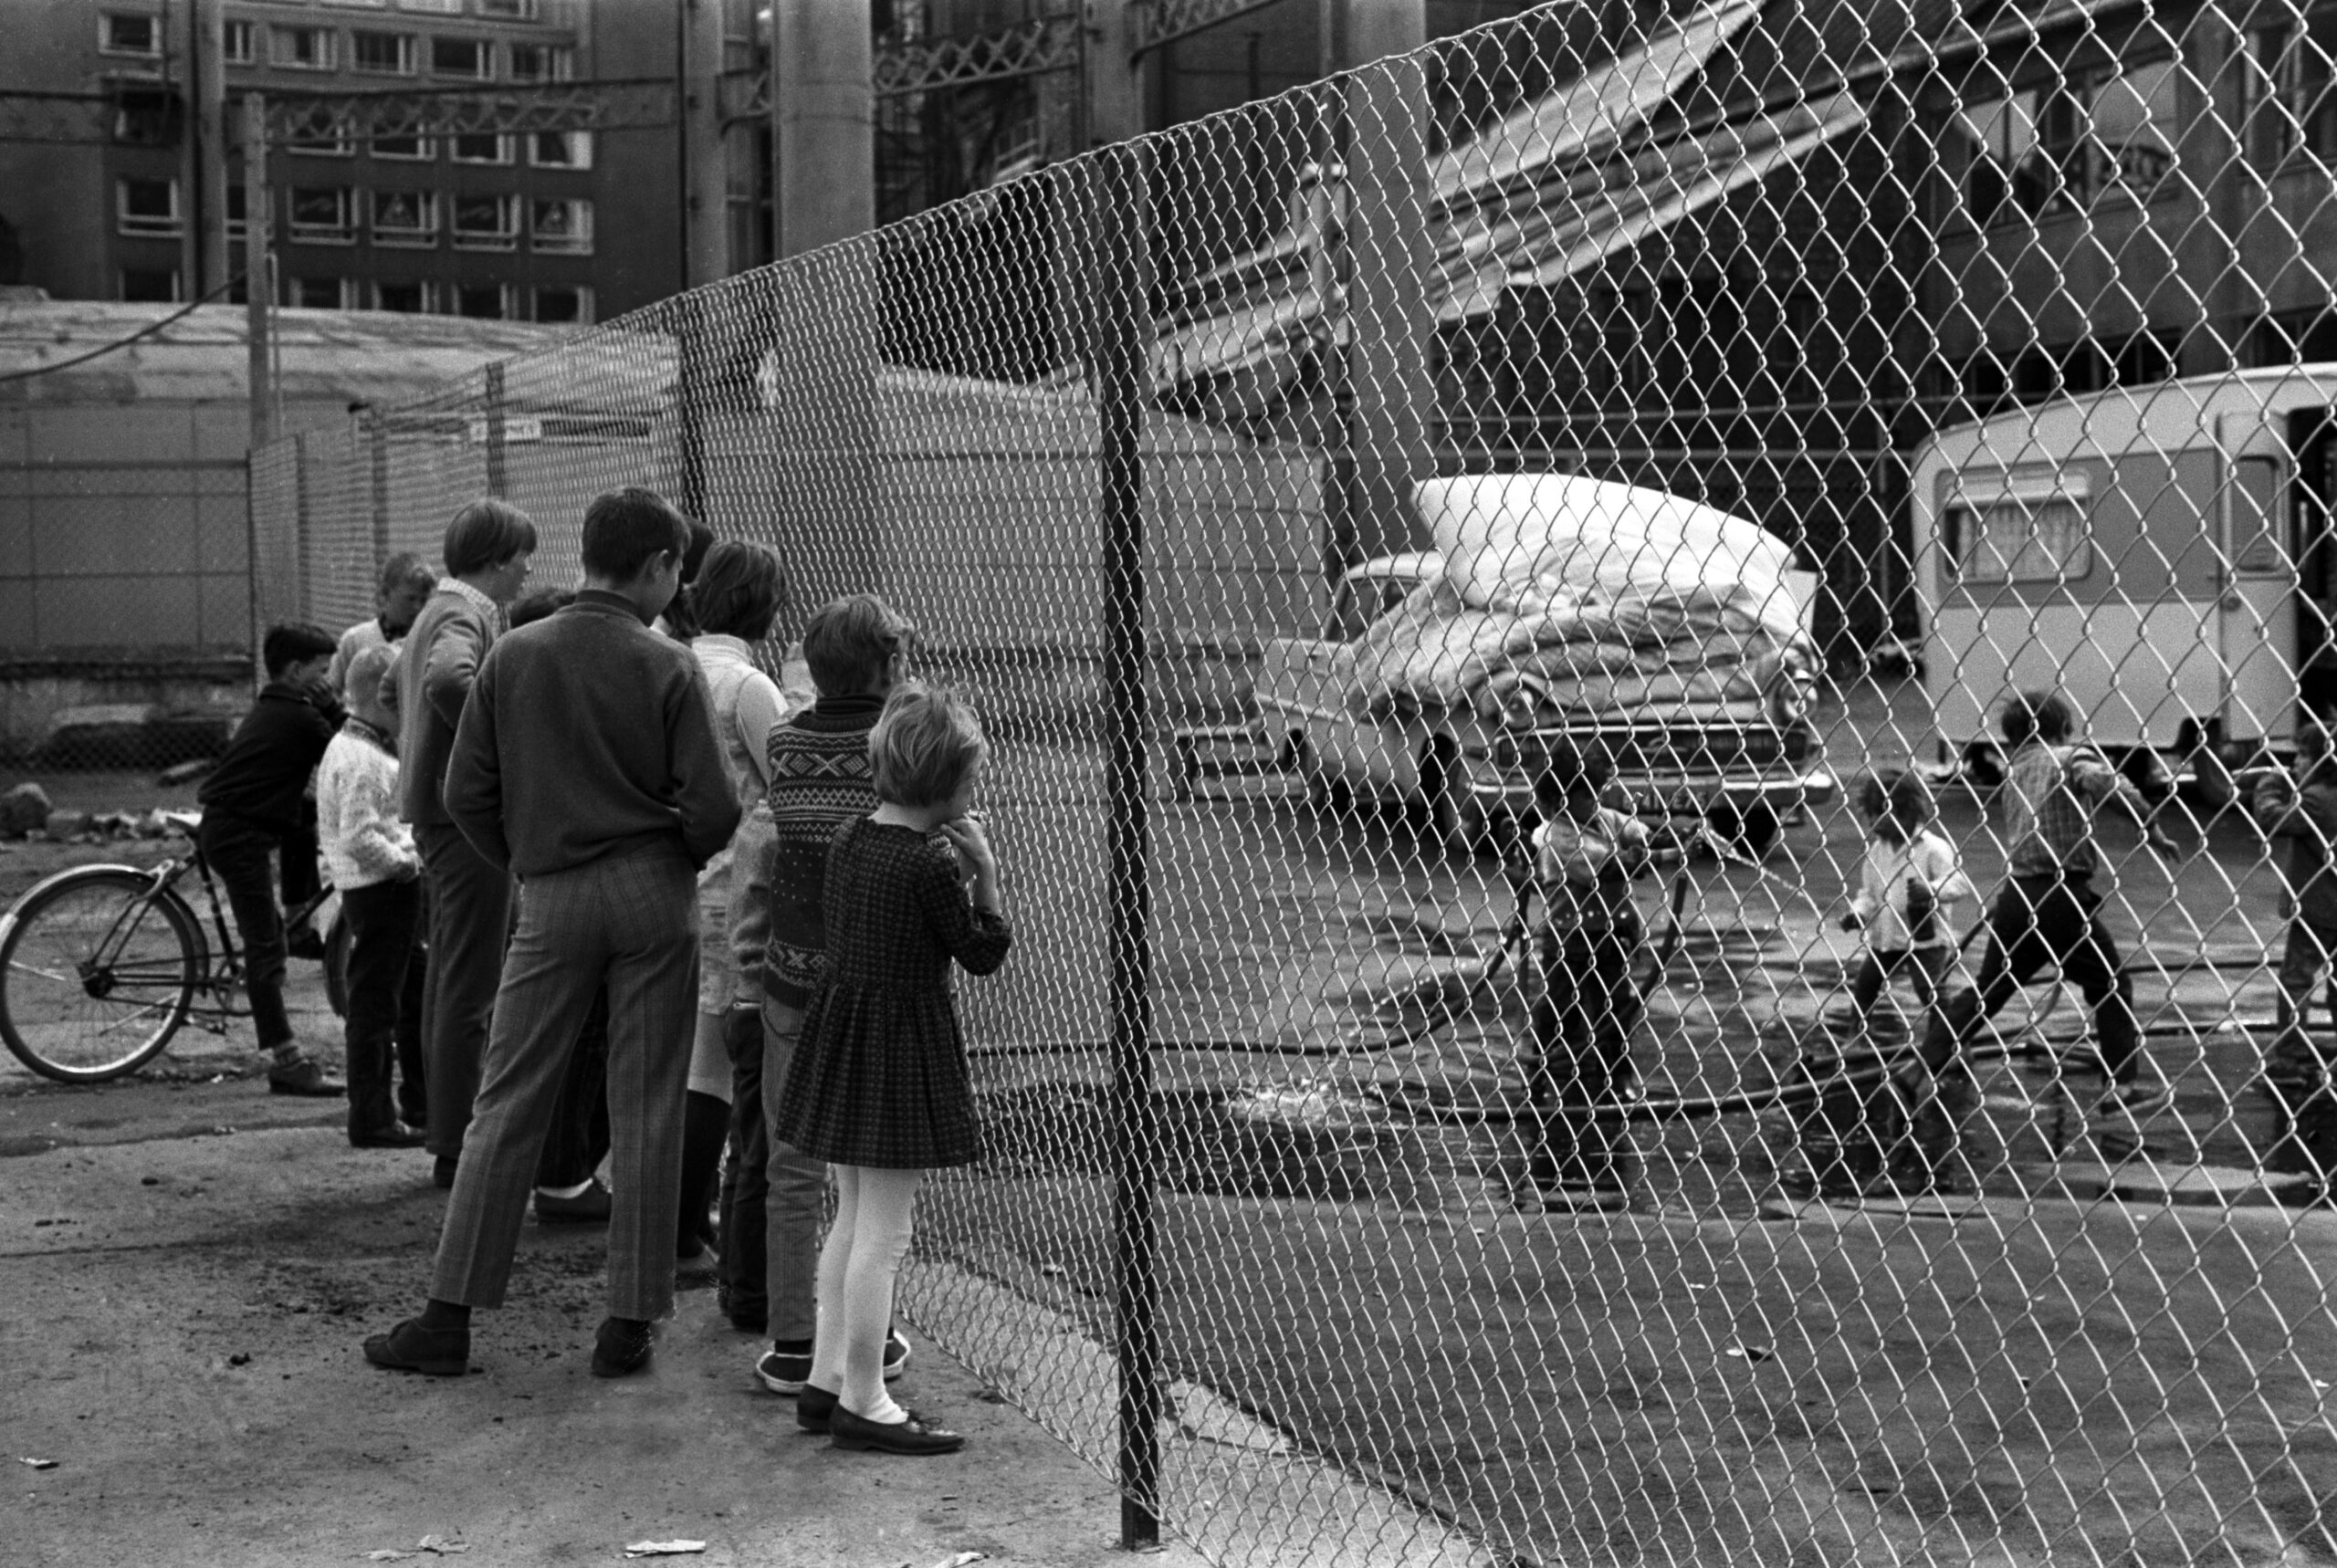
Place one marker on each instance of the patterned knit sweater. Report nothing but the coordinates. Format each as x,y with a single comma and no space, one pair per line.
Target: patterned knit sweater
820,779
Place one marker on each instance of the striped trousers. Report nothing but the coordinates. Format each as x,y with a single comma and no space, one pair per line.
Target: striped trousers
632,922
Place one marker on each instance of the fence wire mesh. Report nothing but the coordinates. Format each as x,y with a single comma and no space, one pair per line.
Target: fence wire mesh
1533,1175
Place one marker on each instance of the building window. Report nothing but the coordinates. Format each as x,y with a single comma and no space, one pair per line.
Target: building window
2142,359
128,34
409,299
2291,108
405,218
2294,336
542,62
486,223
483,300
382,54
565,306
319,132
241,47
485,148
561,149
2134,117
508,10
2037,152
236,214
472,58
436,7
411,148
363,4
323,215
148,208
562,227
322,293
150,288
300,48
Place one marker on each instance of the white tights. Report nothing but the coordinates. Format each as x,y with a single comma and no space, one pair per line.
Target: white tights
865,1247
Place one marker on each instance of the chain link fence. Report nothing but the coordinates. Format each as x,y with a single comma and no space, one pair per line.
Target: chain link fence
1378,1169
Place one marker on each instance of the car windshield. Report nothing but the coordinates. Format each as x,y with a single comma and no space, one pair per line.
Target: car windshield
1360,600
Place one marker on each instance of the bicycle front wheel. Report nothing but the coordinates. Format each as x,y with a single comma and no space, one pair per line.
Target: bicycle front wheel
97,972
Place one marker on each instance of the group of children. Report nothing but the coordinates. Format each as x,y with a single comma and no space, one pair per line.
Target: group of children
841,872
1585,854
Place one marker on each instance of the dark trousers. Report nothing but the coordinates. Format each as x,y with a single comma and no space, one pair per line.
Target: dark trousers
1582,1027
741,1208
2038,921
470,920
1929,965
1582,1024
384,999
627,925
297,867
2303,961
238,851
577,1141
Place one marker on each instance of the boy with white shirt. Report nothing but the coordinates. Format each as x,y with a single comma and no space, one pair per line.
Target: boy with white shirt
369,850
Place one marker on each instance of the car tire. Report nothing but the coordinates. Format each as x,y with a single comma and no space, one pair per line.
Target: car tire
1327,793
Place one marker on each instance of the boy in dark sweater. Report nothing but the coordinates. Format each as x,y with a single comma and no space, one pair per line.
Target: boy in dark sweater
857,649
253,808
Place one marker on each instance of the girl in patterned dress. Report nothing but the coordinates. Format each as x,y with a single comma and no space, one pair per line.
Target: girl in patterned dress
879,1086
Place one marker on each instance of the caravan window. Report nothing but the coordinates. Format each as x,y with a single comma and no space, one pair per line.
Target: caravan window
2256,517
2012,538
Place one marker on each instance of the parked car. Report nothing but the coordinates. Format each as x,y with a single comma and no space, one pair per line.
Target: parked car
1673,635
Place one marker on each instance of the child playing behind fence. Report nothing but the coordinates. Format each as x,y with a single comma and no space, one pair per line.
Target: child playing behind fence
1584,856
369,852
2302,813
1910,881
879,1087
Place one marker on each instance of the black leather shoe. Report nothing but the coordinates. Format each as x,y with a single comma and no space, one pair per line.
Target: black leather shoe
589,1207
913,1437
442,1171
410,1347
302,1076
814,1407
396,1136
620,1348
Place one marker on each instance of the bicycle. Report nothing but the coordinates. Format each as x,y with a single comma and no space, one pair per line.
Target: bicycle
101,965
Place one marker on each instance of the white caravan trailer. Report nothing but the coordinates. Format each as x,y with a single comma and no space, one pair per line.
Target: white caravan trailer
2160,553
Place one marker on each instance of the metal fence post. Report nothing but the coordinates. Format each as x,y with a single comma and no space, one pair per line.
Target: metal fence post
377,453
258,205
1120,389
495,476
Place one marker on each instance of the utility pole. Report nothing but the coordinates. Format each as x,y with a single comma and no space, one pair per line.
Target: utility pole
823,122
706,197
821,323
206,76
1392,394
258,294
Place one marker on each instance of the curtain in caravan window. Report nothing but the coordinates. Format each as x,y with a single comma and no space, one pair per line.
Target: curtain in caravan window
2012,538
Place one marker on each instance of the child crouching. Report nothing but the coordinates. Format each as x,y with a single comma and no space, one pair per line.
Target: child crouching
879,1086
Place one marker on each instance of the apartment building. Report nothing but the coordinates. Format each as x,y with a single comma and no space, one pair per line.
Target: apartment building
557,227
